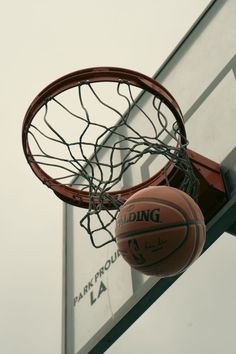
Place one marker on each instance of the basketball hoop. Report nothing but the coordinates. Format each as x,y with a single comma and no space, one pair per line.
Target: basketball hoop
62,150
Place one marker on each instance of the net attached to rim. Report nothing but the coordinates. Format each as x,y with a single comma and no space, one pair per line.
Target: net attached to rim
96,141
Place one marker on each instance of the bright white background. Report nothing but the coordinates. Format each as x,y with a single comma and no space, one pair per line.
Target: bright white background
41,41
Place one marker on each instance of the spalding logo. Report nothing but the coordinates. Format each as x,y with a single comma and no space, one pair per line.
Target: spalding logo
141,215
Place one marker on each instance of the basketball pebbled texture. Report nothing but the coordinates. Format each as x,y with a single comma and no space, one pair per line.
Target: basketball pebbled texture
160,231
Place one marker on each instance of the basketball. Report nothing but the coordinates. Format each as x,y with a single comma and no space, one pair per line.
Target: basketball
160,231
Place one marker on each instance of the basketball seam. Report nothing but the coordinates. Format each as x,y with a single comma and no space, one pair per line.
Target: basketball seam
164,258
197,233
126,234
193,255
168,255
160,200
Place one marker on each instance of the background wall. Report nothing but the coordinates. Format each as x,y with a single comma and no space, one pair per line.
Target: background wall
40,41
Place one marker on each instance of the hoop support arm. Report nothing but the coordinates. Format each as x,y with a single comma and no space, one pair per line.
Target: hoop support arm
212,194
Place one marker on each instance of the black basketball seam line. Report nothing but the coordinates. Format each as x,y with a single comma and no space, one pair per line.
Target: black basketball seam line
199,230
160,200
147,199
193,255
196,239
164,258
197,233
197,244
127,234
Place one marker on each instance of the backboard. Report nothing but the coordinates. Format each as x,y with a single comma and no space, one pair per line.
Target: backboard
103,296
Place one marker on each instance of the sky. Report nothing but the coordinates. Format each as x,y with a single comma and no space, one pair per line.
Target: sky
41,41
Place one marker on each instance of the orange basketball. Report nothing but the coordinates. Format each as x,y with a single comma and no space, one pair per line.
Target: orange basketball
160,231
